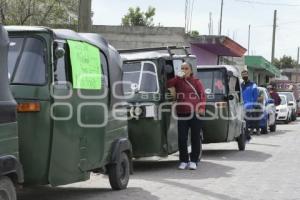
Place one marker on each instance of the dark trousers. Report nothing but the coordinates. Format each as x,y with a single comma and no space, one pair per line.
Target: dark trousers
184,126
253,118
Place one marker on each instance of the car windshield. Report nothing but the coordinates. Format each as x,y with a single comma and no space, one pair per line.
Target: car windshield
283,100
140,75
289,96
213,81
26,61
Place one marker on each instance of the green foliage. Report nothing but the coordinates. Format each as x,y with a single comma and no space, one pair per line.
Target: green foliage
194,33
135,17
285,62
38,12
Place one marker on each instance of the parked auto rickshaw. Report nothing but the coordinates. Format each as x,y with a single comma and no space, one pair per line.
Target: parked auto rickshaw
152,127
224,118
62,81
10,168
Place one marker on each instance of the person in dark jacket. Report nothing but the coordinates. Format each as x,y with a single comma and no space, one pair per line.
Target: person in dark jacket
274,95
190,92
250,98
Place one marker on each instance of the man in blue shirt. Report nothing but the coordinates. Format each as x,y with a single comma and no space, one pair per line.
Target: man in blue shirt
250,97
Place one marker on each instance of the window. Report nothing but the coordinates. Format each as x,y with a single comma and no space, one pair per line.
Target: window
62,68
213,81
27,61
141,74
283,100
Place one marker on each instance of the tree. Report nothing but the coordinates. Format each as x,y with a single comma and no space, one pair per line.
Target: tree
285,62
38,12
194,33
135,17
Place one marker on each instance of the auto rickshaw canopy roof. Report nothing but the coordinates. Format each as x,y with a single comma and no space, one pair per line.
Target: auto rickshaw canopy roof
234,70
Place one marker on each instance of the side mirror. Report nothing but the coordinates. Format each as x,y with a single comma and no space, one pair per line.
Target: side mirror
59,52
270,101
229,97
298,101
134,88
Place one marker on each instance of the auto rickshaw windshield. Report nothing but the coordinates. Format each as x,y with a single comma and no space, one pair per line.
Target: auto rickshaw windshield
213,81
140,76
26,61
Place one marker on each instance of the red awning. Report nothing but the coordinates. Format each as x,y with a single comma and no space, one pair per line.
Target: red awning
219,45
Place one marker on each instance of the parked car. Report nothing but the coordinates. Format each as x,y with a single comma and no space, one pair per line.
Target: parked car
268,107
283,111
288,86
291,100
61,83
224,110
11,172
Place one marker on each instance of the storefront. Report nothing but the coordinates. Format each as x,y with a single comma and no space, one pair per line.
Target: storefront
261,70
215,50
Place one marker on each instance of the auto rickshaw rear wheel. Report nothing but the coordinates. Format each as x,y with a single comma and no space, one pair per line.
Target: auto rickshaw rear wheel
241,140
7,189
118,173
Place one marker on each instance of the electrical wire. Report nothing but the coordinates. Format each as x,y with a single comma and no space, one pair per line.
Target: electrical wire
267,4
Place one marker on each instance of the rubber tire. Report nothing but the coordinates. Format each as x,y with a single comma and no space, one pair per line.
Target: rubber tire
119,180
294,117
273,128
241,140
7,189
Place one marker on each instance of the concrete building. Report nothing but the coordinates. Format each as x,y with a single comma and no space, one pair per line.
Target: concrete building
261,70
292,74
210,50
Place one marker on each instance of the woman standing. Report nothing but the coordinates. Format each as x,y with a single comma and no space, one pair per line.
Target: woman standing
190,105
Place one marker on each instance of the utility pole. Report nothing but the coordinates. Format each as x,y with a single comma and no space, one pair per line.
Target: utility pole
85,21
274,36
249,37
221,18
210,24
298,54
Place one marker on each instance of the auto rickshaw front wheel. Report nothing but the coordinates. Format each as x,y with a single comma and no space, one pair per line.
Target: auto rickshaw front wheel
241,140
7,189
118,173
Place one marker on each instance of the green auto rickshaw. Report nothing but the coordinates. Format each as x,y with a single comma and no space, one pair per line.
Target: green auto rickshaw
224,118
62,83
10,168
152,127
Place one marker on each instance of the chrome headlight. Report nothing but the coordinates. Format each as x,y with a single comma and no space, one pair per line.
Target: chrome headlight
138,111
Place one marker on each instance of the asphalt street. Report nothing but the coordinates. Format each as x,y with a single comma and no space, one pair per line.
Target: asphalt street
268,169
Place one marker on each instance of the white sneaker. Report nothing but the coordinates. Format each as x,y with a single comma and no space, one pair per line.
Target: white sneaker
183,165
192,166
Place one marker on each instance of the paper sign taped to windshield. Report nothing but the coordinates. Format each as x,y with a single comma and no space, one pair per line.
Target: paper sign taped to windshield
86,65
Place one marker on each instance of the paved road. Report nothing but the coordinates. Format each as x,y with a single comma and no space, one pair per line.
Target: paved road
268,169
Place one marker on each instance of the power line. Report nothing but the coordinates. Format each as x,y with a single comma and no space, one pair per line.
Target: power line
267,4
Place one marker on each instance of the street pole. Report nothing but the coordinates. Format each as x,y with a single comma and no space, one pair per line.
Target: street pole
274,36
221,18
249,36
85,21
298,54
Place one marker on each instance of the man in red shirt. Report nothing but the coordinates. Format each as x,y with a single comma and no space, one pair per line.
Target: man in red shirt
190,104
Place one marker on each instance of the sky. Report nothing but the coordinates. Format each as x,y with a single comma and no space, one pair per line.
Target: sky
237,16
